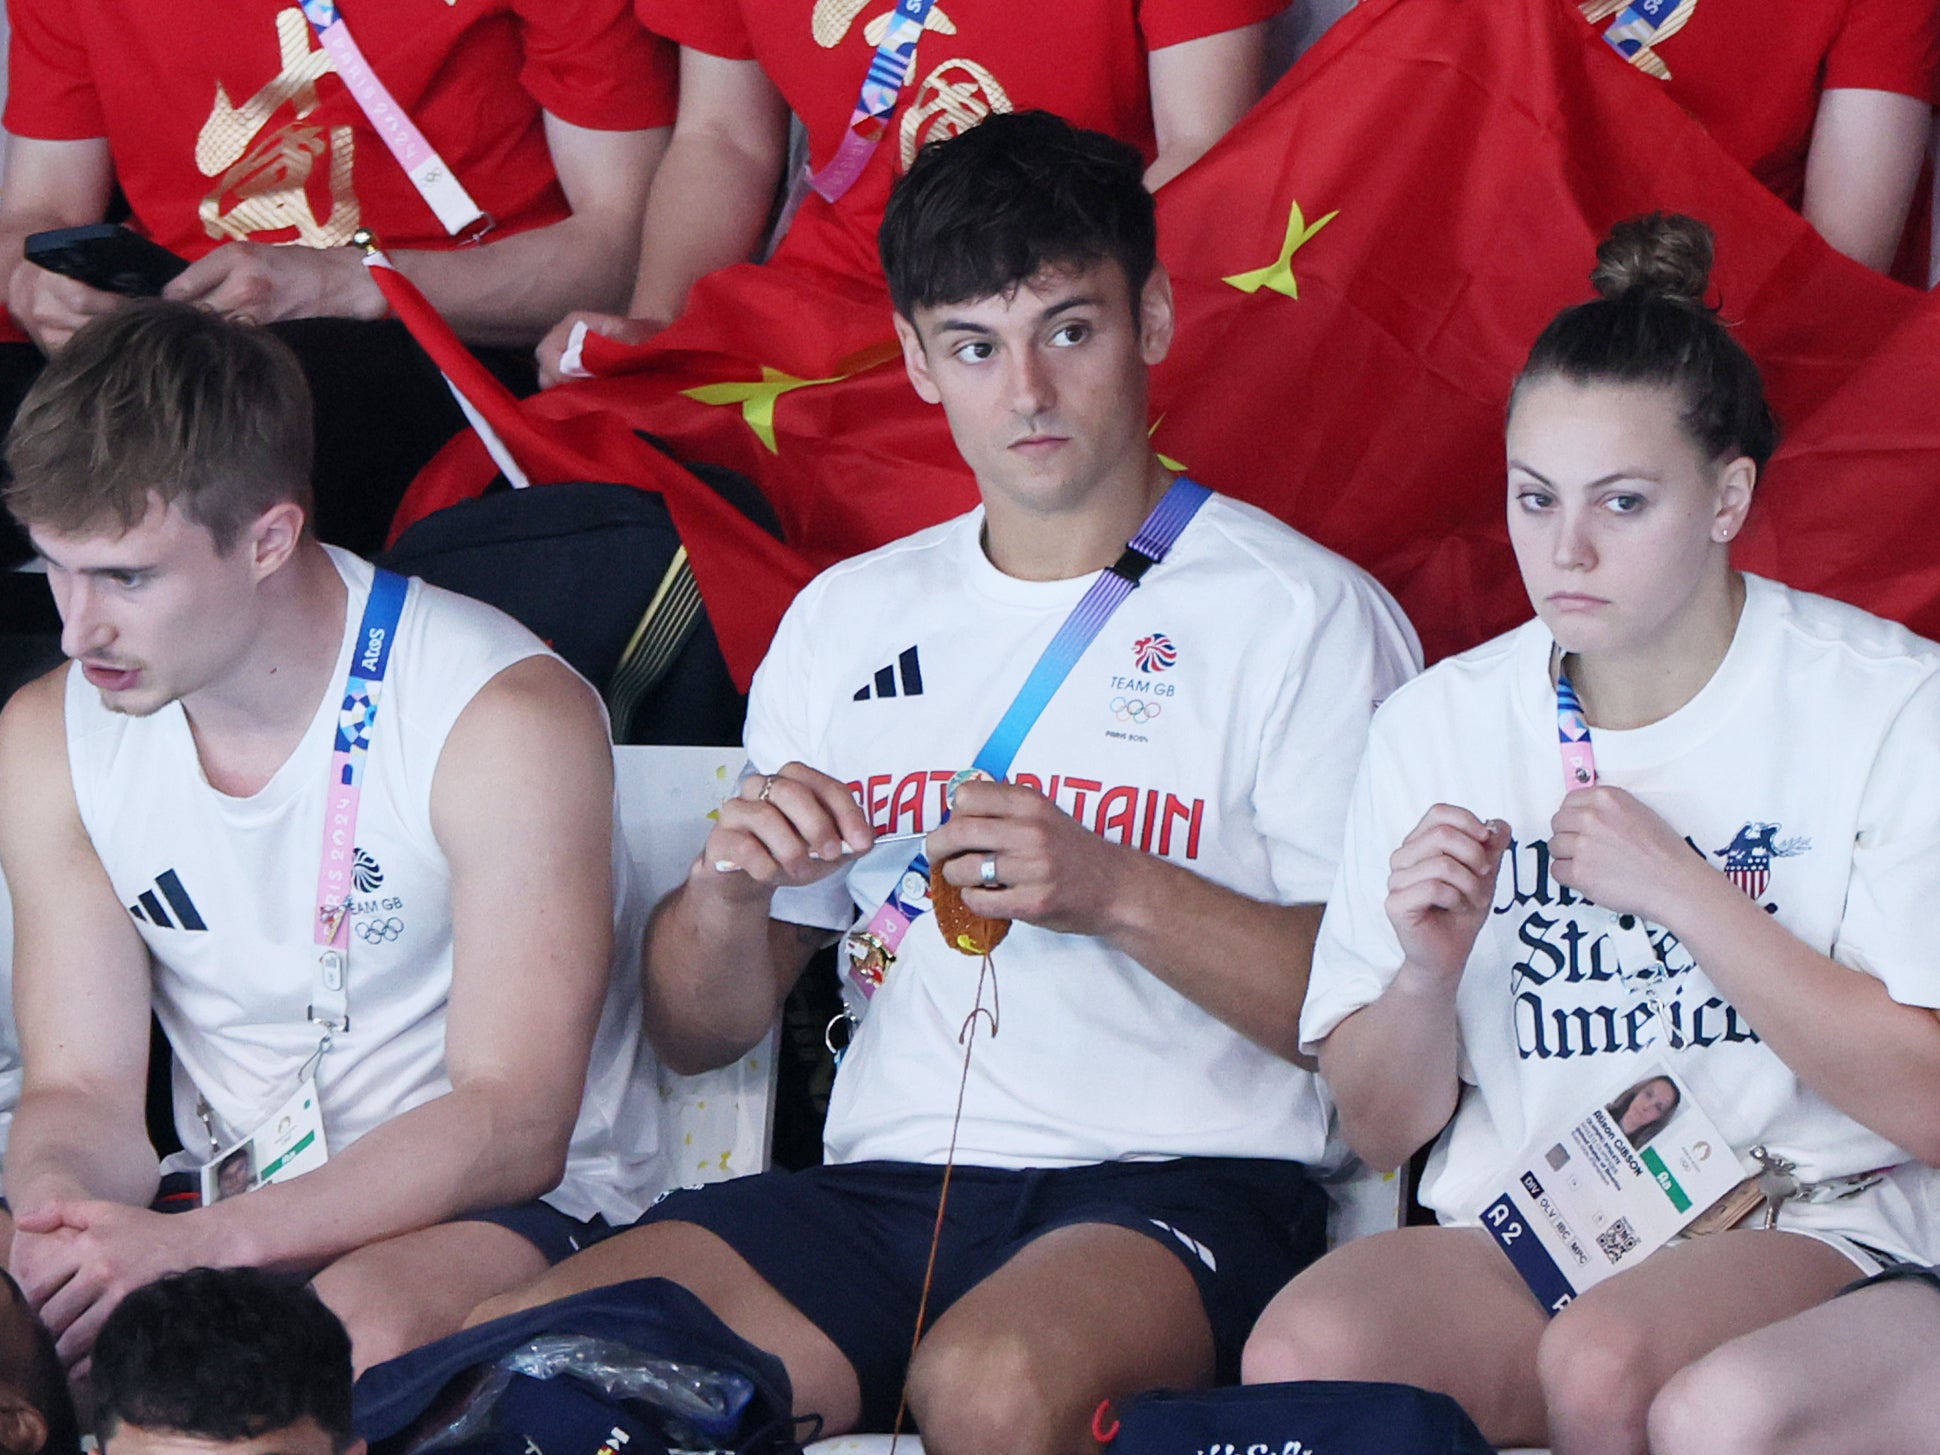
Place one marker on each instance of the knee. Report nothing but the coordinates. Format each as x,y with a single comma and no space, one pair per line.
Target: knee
381,1325
1597,1379
987,1397
1312,1336
1727,1403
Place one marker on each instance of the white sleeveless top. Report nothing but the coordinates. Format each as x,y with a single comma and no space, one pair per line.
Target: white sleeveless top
222,890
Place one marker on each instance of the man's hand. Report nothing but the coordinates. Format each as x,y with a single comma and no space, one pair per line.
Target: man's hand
1604,844
1053,871
1441,882
268,284
76,1260
50,307
785,828
614,326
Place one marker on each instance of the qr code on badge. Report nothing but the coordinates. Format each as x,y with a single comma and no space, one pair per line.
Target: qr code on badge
1617,1239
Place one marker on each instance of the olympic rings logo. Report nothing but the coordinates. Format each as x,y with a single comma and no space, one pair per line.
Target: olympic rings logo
380,931
1134,709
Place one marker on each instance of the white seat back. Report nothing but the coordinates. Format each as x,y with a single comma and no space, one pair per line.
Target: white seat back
718,1123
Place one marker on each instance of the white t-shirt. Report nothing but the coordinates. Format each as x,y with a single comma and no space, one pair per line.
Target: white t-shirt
1807,768
223,891
1215,721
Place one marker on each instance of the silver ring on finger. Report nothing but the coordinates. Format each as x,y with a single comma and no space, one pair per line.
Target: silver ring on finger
767,787
987,872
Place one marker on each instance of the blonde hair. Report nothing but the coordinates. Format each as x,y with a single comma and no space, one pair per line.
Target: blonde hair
162,398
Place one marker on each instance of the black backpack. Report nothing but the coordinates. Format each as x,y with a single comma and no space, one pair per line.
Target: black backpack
598,572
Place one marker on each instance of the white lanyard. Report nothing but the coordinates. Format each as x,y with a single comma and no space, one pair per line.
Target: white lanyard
437,184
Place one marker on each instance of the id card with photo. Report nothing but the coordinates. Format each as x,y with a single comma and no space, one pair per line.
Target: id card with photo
1605,1191
287,1144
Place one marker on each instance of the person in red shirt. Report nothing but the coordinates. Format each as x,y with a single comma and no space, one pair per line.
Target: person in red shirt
1169,76
238,146
1826,104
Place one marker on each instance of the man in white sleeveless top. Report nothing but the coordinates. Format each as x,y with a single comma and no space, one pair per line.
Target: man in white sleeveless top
415,1043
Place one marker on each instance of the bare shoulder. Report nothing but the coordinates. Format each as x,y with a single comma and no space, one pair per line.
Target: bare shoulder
35,784
539,695
36,711
535,730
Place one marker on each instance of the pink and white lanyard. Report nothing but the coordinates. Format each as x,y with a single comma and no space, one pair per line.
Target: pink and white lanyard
437,184
882,88
363,685
1636,956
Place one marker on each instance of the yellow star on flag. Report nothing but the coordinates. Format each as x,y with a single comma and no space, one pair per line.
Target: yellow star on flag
757,399
1278,275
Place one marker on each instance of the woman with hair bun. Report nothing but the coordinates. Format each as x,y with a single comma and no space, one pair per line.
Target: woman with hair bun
1728,878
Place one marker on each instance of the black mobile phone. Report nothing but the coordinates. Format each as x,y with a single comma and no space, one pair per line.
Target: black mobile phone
107,256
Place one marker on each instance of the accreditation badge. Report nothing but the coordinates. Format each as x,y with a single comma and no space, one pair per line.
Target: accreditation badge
1600,1193
287,1144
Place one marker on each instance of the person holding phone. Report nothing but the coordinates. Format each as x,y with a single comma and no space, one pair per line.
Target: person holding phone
239,146
1753,777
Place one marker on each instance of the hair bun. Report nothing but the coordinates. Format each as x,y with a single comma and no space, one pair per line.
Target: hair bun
1660,255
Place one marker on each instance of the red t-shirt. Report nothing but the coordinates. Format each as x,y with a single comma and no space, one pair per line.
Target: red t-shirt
1085,61
1752,70
227,122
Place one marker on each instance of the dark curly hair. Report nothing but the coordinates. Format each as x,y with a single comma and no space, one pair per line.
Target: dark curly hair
978,214
1650,325
223,1354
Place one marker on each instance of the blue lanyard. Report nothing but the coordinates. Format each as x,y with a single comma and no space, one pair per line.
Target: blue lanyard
882,88
370,657
871,950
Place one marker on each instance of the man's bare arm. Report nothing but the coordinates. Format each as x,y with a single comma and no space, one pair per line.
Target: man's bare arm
1200,88
711,197
50,184
522,807
717,968
505,291
81,990
1862,169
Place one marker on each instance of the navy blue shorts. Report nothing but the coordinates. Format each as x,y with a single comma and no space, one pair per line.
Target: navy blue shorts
846,1245
546,1228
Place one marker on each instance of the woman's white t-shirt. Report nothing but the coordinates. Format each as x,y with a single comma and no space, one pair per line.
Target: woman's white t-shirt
1807,769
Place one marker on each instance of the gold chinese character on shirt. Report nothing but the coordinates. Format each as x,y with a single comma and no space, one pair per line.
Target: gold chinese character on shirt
263,171
951,99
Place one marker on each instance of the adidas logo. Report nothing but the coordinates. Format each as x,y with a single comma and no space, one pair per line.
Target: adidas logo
884,685
148,908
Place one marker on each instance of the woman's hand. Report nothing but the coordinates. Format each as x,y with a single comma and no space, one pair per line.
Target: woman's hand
1441,883
1604,844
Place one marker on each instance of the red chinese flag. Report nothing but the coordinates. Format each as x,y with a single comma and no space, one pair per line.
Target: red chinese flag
1347,365
598,445
1470,157
1848,507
